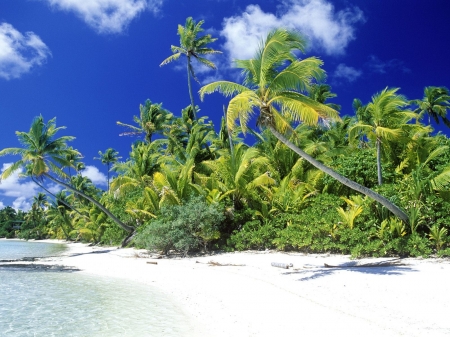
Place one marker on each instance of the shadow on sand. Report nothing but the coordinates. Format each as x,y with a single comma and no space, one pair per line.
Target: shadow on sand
319,272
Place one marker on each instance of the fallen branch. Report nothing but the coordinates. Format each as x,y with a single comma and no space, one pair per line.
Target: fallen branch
281,265
217,264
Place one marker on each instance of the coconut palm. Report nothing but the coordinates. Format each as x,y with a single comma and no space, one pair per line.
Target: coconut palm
435,103
387,121
240,175
46,153
110,156
192,46
273,82
321,93
152,119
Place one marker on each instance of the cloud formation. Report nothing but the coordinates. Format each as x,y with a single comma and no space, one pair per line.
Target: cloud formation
19,53
22,191
107,16
325,28
345,72
93,173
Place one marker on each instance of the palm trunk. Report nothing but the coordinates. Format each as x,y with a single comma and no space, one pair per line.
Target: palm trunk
127,228
380,176
190,86
108,176
347,182
56,198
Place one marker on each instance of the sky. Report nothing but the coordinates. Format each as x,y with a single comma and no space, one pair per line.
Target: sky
91,63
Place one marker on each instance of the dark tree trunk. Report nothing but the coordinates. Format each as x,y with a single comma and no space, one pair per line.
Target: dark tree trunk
127,228
190,86
380,174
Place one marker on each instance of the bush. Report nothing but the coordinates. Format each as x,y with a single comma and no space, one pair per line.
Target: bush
253,235
189,227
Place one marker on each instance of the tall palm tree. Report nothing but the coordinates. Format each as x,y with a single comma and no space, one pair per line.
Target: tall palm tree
273,82
47,153
152,119
386,121
192,46
110,156
435,103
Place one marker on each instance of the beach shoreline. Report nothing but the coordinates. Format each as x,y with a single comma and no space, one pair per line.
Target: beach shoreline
242,294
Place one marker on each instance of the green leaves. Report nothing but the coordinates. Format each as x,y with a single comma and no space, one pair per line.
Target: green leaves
41,149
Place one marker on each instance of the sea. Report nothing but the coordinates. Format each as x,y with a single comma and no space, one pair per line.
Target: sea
56,303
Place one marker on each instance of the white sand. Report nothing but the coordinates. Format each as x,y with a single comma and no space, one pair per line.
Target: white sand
306,300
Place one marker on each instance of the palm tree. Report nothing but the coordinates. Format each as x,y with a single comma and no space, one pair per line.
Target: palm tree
273,82
110,156
386,121
240,175
74,160
435,103
192,45
152,119
321,93
46,153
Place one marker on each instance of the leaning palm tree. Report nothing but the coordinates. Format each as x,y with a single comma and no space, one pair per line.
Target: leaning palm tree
435,103
47,153
192,46
273,84
110,156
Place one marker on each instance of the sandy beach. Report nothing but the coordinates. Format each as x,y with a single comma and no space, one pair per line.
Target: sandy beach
241,294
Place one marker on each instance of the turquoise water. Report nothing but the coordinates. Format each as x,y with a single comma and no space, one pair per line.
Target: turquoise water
50,303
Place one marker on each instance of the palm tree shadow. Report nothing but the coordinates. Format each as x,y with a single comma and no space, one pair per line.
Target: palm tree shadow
103,251
319,272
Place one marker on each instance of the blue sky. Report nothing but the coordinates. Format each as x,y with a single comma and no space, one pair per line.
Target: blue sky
91,63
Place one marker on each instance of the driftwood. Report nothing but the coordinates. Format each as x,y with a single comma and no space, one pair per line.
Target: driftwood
152,262
361,264
217,264
281,265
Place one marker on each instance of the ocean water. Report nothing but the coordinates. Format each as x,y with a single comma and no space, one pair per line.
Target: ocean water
72,304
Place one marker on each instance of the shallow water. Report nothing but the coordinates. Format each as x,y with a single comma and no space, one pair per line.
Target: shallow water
49,303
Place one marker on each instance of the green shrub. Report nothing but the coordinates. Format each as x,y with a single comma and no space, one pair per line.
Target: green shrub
253,235
189,227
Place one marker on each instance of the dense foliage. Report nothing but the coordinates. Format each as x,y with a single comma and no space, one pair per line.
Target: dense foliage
195,188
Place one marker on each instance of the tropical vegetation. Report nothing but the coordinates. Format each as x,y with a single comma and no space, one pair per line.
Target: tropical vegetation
372,183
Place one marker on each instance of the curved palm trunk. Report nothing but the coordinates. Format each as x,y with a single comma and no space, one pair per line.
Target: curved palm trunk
380,176
129,229
54,196
190,86
347,182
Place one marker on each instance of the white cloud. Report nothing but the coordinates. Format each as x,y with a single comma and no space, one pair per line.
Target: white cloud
22,203
13,187
2,205
346,72
19,53
107,16
95,175
54,188
326,29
